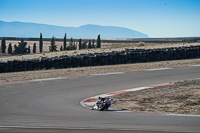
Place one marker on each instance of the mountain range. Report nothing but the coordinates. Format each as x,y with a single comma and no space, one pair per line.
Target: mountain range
24,29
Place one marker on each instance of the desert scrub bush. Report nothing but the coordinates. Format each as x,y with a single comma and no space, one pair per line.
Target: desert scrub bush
140,44
188,82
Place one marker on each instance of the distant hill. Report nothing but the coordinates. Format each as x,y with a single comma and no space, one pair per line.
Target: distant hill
21,29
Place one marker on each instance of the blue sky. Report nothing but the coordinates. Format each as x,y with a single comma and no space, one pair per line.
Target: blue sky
157,18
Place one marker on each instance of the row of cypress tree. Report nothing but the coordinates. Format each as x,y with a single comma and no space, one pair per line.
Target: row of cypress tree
73,46
21,48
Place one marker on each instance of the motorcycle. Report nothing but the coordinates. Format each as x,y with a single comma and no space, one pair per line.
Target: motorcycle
102,104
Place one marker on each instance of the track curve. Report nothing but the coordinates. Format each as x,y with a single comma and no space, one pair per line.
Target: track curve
55,103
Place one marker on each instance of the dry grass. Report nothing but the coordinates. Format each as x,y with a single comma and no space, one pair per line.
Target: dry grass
106,47
180,98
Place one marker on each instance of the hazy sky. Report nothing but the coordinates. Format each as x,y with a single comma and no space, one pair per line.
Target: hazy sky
157,18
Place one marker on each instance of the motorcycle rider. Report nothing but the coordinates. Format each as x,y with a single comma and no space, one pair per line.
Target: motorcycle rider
108,102
98,102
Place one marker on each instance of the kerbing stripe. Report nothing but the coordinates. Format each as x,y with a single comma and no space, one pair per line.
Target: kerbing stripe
166,84
117,92
91,100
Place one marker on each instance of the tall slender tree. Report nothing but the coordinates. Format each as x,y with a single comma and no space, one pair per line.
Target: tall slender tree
71,43
89,44
65,42
41,43
93,45
3,46
84,45
79,44
15,48
53,46
29,49
10,48
98,42
34,48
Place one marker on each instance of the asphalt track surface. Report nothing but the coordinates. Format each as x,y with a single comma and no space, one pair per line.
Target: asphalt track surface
54,105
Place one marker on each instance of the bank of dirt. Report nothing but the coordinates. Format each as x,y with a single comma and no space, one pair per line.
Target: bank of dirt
181,98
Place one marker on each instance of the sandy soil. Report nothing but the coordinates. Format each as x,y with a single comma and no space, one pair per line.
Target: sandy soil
180,98
106,47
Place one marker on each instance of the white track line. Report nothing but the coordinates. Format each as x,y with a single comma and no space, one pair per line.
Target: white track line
196,65
103,74
137,89
47,79
158,69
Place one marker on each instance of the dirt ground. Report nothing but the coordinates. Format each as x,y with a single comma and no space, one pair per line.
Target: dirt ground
106,47
181,98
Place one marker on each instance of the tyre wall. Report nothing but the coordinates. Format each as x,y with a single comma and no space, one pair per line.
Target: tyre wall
98,59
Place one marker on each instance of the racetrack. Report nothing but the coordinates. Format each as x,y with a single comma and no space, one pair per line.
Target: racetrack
55,104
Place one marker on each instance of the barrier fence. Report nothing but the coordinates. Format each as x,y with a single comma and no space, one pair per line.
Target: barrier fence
98,59
125,40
